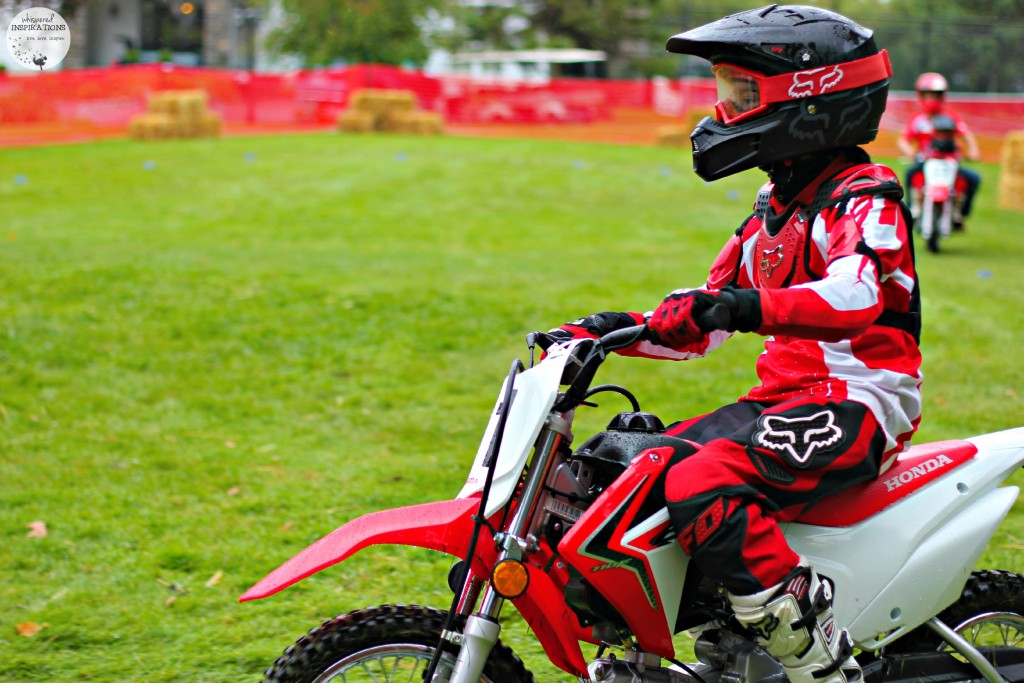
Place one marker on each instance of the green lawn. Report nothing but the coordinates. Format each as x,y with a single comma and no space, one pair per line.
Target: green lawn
214,352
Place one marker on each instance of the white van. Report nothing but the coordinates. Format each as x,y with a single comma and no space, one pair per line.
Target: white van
531,66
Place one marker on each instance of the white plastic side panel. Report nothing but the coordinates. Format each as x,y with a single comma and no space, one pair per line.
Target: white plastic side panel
534,394
668,564
901,566
934,576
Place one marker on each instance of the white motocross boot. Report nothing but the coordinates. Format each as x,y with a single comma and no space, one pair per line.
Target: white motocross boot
793,621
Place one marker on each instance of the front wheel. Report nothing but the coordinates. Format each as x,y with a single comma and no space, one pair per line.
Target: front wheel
381,644
937,213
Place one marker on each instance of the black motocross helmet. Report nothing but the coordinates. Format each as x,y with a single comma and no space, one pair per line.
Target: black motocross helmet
792,80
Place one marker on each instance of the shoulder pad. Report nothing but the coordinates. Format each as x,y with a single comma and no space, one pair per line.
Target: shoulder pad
726,268
856,181
867,179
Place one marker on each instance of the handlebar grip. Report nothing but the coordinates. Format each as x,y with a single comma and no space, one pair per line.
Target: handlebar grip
620,339
717,317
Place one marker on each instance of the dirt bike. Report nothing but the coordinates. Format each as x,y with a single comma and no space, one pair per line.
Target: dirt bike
580,542
938,192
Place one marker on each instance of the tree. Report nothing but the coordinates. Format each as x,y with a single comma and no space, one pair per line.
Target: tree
459,26
977,45
328,31
620,28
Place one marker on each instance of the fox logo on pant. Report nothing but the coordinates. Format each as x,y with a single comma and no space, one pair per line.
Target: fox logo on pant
799,437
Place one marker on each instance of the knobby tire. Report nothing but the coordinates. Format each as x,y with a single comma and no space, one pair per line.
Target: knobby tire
365,635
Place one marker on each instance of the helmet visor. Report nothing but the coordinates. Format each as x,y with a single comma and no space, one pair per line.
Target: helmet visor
743,93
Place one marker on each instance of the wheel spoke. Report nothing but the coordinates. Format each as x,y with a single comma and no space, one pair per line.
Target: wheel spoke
413,670
383,664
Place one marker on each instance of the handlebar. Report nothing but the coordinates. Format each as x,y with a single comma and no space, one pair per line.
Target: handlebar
579,376
717,317
620,339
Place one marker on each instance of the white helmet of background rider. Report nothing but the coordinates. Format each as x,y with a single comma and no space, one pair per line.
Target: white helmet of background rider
792,80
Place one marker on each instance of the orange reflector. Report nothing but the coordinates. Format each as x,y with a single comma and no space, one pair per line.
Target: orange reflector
510,579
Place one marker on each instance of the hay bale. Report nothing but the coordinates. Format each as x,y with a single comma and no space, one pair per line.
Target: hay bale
387,102
417,123
191,105
181,114
421,123
385,106
1011,181
183,128
695,115
674,136
1012,156
162,103
209,125
388,111
1011,193
151,127
352,121
679,135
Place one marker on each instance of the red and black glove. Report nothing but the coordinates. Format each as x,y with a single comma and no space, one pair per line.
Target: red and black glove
684,317
593,326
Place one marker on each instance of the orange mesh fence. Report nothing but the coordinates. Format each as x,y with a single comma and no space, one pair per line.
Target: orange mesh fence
86,103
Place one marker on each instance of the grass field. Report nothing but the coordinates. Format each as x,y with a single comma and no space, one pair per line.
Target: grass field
214,352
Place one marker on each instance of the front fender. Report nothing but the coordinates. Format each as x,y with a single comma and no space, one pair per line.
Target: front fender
445,526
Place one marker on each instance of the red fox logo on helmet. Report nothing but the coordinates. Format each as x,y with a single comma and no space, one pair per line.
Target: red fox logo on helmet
809,83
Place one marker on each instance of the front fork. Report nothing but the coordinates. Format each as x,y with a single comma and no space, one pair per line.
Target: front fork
476,641
482,628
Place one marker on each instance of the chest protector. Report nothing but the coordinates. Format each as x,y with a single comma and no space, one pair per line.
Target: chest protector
783,257
785,254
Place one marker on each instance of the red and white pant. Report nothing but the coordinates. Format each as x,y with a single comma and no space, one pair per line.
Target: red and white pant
759,465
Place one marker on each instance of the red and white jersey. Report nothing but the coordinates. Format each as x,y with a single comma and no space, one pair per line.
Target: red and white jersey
919,129
824,282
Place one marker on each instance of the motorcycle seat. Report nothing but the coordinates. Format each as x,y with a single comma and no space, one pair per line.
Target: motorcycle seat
915,467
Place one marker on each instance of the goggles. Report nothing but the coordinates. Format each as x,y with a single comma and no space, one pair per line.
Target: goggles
743,94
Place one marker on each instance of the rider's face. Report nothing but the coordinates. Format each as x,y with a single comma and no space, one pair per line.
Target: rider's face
931,102
739,92
745,94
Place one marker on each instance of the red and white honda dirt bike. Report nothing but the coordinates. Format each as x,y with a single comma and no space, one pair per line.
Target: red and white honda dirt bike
939,194
579,541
